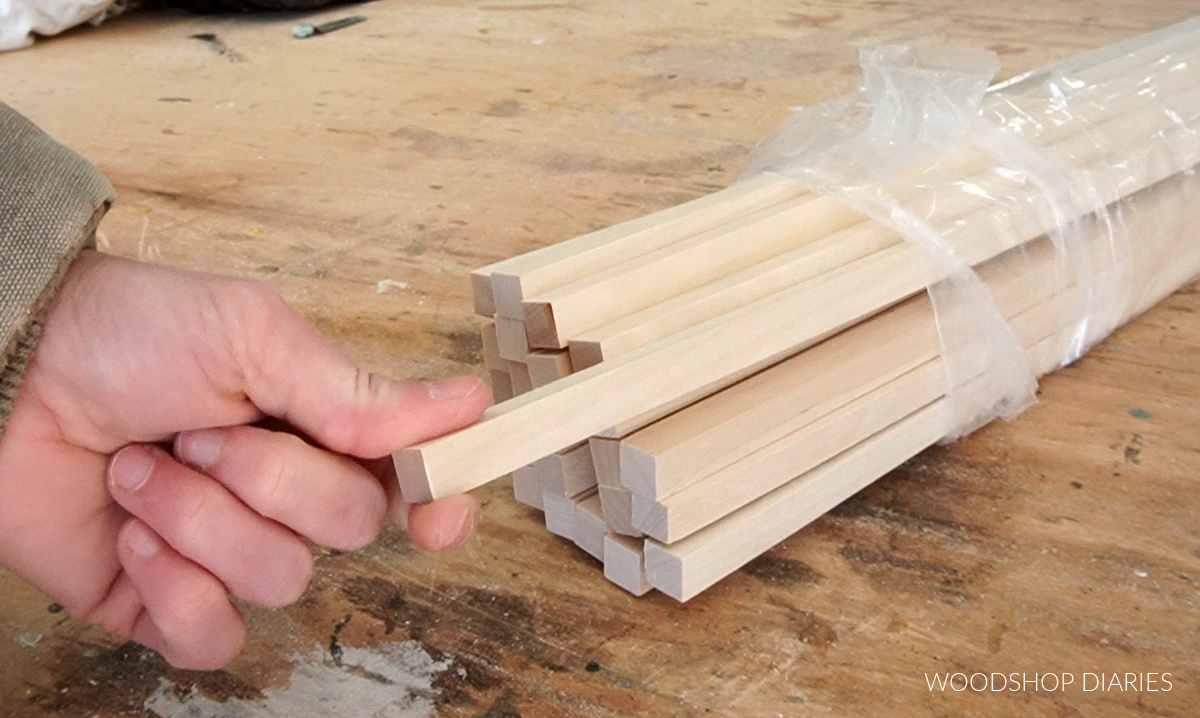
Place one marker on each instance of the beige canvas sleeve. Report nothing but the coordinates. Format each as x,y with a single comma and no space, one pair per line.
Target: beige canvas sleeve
51,200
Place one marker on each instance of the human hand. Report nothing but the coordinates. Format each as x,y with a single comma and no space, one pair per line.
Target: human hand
149,542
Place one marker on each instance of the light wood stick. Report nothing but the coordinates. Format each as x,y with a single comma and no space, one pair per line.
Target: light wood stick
703,303
589,526
645,281
973,241
625,563
688,445
557,264
601,297
702,438
554,265
1166,224
1033,312
616,501
547,366
633,386
686,568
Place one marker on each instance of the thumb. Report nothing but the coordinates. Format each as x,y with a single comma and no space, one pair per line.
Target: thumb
291,372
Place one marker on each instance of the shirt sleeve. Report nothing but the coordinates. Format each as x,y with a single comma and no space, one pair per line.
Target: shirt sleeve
51,200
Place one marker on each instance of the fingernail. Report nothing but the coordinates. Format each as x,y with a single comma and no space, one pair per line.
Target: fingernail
199,449
141,541
130,467
457,387
463,529
399,513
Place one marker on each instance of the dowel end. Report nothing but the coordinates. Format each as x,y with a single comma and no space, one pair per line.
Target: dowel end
482,295
651,518
584,354
624,564
507,295
540,326
413,476
526,487
616,503
664,571
636,470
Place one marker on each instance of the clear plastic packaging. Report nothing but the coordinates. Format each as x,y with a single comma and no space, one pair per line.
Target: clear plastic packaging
970,174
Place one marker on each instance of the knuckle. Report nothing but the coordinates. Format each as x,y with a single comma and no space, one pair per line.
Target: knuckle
360,522
194,526
274,475
192,614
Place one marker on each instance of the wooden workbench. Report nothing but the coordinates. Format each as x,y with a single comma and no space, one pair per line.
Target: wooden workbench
366,171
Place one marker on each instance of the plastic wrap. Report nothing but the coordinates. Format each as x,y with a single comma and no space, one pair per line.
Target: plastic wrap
968,174
21,20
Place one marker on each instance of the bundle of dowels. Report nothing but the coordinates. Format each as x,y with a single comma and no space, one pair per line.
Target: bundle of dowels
680,392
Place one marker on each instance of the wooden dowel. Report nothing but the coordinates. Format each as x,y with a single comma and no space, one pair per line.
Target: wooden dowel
558,264
1165,221
554,265
1033,314
625,563
686,568
591,346
616,501
607,296
702,438
701,304
601,297
703,358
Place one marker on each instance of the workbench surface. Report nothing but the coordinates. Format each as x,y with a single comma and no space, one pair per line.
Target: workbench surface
365,172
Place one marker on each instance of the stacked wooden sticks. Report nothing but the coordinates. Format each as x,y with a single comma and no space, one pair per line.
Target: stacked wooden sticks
691,387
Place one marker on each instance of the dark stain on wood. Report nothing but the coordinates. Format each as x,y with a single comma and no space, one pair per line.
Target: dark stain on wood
503,707
95,679
505,108
464,346
783,571
434,144
811,628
